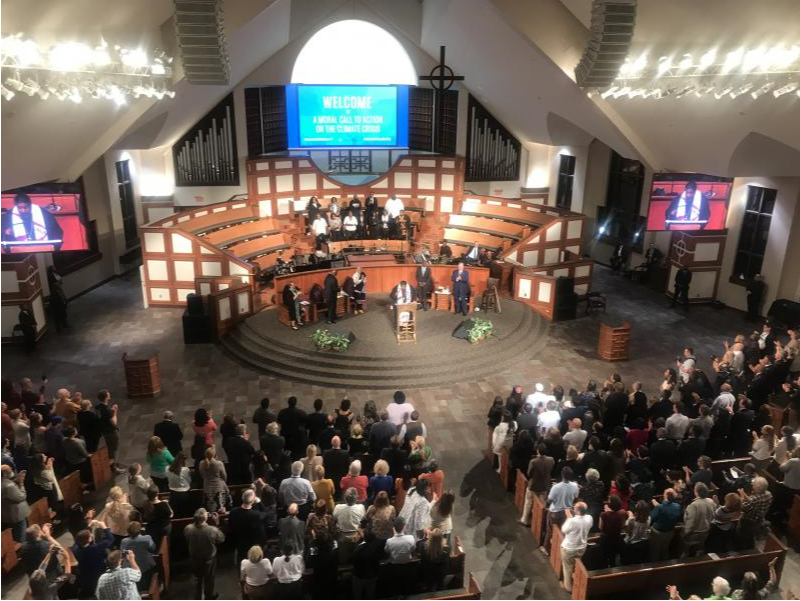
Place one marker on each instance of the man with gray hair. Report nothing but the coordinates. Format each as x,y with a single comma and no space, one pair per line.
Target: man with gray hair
576,537
576,435
754,511
248,523
203,536
292,531
297,490
170,433
697,518
348,516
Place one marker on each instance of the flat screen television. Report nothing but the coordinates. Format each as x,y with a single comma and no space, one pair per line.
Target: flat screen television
339,116
688,202
41,222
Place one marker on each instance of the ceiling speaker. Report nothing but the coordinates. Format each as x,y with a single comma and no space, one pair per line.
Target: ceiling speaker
200,28
610,35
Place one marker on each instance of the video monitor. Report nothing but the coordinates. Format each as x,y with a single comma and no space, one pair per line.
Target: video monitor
688,202
320,116
43,222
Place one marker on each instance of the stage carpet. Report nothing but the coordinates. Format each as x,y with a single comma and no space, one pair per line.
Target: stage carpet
376,361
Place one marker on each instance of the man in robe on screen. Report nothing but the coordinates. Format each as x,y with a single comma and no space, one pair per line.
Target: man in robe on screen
28,222
691,205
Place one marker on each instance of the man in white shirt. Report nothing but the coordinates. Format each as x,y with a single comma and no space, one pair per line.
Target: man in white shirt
677,423
399,411
576,436
394,206
725,400
576,535
538,398
549,418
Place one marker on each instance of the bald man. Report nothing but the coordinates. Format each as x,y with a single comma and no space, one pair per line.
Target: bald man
336,462
292,531
576,536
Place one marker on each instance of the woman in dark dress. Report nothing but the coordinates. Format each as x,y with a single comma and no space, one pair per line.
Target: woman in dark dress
313,210
291,295
495,414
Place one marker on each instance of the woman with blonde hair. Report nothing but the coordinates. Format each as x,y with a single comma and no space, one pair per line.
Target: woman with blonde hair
216,495
763,446
420,454
310,462
323,487
358,445
381,481
117,514
255,573
160,459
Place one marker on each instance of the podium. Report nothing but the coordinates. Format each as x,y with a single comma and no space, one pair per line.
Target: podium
406,323
613,343
142,376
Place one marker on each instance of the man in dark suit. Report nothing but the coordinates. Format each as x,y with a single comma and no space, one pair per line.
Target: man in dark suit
755,294
403,294
691,205
336,462
273,443
170,433
248,523
461,290
316,422
615,407
424,284
739,434
27,322
396,457
240,453
292,420
263,416
330,294
663,453
691,448
381,434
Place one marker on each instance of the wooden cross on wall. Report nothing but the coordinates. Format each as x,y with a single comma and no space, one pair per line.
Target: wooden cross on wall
441,78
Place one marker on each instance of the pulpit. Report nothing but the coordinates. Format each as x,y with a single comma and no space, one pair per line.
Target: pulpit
142,375
614,341
406,324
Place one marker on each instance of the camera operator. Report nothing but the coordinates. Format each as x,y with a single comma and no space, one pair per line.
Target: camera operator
119,582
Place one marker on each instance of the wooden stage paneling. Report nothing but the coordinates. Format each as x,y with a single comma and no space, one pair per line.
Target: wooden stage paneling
385,277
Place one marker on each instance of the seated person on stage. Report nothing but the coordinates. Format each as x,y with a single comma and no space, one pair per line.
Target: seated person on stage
394,207
472,256
445,252
291,300
384,224
320,230
403,294
335,227
485,258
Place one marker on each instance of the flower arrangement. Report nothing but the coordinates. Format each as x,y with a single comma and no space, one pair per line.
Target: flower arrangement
481,330
326,340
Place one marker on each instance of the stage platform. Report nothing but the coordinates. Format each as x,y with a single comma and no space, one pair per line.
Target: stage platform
375,360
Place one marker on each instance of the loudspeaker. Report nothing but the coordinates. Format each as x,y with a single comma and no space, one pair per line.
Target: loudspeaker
343,332
194,304
567,309
564,287
462,331
196,329
610,35
200,29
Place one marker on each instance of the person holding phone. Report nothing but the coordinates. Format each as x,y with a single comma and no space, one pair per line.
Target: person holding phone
119,582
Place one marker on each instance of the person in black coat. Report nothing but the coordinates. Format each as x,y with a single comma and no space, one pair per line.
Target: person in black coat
663,453
755,294
28,324
396,457
683,278
170,433
461,289
329,433
372,216
316,422
89,426
263,416
273,444
313,210
292,421
240,453
248,524
58,298
739,436
290,301
330,294
380,434
615,407
691,448
424,278
336,462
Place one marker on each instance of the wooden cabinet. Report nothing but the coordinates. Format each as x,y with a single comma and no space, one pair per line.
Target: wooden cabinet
614,341
142,376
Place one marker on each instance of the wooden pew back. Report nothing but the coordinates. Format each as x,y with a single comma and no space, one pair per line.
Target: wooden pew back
101,468
71,489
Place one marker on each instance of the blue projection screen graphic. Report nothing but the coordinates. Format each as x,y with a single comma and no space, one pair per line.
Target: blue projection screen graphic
365,116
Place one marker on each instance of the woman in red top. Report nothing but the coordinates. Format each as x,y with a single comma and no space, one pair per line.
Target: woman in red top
622,488
436,477
204,426
355,480
612,521
637,435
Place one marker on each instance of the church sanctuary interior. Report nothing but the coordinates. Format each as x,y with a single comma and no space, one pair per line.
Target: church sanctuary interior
400,299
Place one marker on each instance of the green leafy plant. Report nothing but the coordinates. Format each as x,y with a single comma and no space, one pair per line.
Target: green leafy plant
325,340
481,329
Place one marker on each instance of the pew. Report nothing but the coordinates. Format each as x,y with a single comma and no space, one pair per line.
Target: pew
720,465
793,526
260,246
163,562
243,231
691,575
71,488
40,512
472,238
505,476
266,261
216,220
379,245
533,219
539,518
555,551
101,468
519,491
154,590
486,225
9,548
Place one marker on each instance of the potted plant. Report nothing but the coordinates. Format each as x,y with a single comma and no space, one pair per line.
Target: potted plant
325,340
481,330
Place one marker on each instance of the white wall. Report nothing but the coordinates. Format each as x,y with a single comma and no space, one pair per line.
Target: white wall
784,228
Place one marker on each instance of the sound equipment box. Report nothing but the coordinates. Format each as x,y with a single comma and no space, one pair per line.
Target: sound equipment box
197,328
565,306
462,331
343,332
194,304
